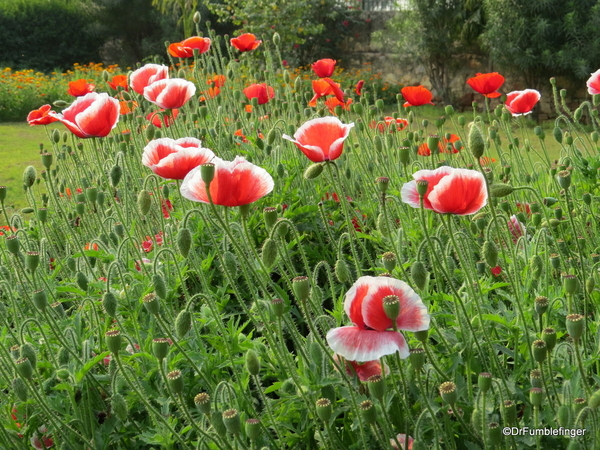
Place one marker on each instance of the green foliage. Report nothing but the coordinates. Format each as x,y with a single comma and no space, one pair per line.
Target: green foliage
543,37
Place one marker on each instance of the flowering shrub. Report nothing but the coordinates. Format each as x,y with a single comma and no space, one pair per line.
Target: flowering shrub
257,269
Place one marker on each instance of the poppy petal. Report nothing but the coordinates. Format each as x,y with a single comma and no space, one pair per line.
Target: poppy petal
409,190
462,192
356,344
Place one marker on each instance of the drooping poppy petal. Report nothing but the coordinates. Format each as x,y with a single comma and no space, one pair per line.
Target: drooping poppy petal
593,83
522,102
416,96
261,91
335,89
146,75
321,139
93,115
245,42
118,81
160,119
40,116
174,159
363,370
332,102
360,344
359,86
409,190
324,67
185,48
516,228
462,192
235,183
487,84
79,88
170,93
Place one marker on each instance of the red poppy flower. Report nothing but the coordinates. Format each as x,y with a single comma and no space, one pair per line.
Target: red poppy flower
371,336
212,92
416,96
44,442
145,76
496,271
389,124
79,88
332,102
450,191
40,116
363,370
170,93
89,246
166,207
118,81
516,228
359,86
522,102
324,68
261,91
235,183
93,115
593,83
217,80
406,442
158,118
185,48
487,84
323,87
524,207
172,159
321,139
444,146
246,42
6,228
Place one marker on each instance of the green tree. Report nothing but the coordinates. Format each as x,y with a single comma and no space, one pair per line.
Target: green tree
544,37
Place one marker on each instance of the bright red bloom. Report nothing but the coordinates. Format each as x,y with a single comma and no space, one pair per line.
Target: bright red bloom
593,83
388,124
416,96
172,159
496,271
40,116
246,42
261,91
158,118
147,75
371,336
236,183
119,81
93,115
79,88
522,102
332,102
324,68
185,48
450,191
359,86
324,87
321,139
487,84
170,93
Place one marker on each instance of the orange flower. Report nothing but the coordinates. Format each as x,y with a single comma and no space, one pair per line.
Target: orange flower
185,48
89,246
127,107
444,146
261,91
158,118
387,124
246,42
80,87
324,87
332,102
119,81
416,96
40,116
487,84
217,80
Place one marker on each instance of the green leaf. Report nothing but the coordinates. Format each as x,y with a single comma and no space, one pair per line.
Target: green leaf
88,365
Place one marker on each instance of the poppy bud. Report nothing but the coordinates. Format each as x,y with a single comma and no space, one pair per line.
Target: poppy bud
269,252
536,266
144,201
159,286
276,39
419,274
448,392
378,144
109,303
252,363
449,109
29,176
476,142
575,326
24,368
501,190
539,350
301,287
489,252
82,281
184,241
113,341
183,323
175,381
313,171
594,400
558,134
342,272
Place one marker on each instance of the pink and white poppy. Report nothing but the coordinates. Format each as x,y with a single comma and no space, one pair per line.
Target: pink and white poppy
145,76
236,183
321,139
406,442
372,335
450,191
170,93
593,83
522,102
92,115
173,159
516,228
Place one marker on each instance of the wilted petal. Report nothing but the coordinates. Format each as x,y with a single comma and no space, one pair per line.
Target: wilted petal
357,344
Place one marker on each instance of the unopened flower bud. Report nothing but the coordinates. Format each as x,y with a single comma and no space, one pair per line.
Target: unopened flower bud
24,368
183,323
252,363
476,142
109,303
301,287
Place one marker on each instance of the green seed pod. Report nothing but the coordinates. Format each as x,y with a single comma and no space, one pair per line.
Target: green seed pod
278,307
160,348
484,381
109,303
159,286
419,274
489,252
184,241
563,416
144,201
183,323
202,402
151,303
476,141
594,400
252,363
231,420
509,412
324,409
377,386
570,283
417,358
116,174
40,299
269,252
342,272
575,326
389,261
536,396
253,429
448,392
113,341
12,244
391,307
20,389
590,284
368,412
313,171
82,281
539,351
175,382
549,337
118,406
24,368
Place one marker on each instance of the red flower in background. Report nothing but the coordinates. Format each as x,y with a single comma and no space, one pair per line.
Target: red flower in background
450,191
79,88
321,139
363,370
371,336
406,443
496,271
522,102
246,42
218,81
235,183
593,83
359,86
332,102
261,91
173,159
166,207
170,93
185,48
324,68
487,84
40,116
93,115
119,81
516,228
416,96
44,442
324,87
158,118
444,146
145,76
388,124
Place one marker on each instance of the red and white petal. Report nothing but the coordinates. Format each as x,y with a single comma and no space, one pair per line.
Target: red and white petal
189,142
354,299
522,102
463,192
100,117
239,182
356,344
325,133
409,190
593,83
147,75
